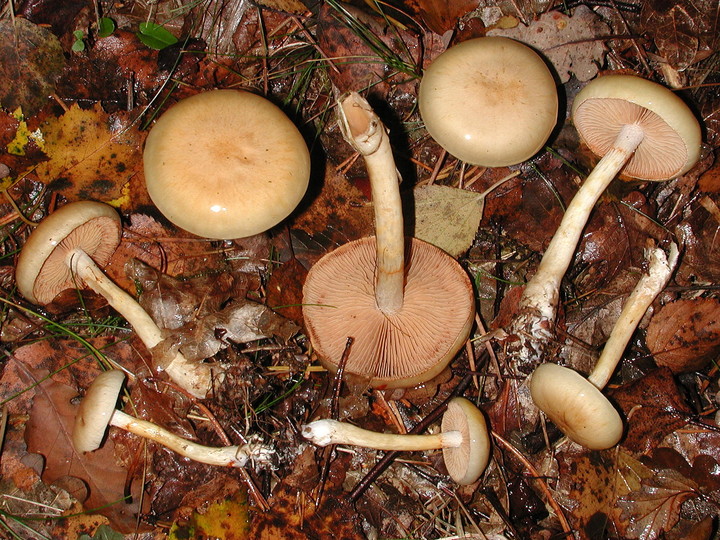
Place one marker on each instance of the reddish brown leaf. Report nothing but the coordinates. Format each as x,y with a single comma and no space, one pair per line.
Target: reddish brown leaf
53,413
284,290
699,234
439,15
685,335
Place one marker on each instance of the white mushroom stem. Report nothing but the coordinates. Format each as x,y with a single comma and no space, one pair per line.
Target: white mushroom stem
543,290
194,377
365,132
224,456
326,432
648,287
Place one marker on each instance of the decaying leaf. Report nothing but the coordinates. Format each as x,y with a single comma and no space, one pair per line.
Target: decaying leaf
92,155
32,60
574,45
440,15
685,335
447,217
217,521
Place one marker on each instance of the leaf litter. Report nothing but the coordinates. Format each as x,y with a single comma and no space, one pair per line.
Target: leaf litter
237,302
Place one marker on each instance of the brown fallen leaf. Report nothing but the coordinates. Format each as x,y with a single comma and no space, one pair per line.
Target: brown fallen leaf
685,335
284,290
91,155
32,62
53,413
698,233
440,15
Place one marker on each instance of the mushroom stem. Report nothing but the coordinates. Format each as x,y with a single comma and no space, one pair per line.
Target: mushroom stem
543,290
194,377
365,132
326,432
224,456
648,287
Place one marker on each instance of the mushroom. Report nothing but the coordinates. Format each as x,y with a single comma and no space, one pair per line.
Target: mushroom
576,405
464,439
638,127
408,317
97,411
70,246
489,101
225,164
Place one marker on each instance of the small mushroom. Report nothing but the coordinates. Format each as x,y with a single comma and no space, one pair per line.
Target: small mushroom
576,405
489,101
464,439
97,411
225,164
68,248
641,129
408,317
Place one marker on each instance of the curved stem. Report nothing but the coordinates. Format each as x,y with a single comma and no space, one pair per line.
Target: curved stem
224,456
543,290
366,133
648,287
194,377
326,432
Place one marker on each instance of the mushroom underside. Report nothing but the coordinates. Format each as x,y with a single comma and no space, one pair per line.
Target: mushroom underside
394,350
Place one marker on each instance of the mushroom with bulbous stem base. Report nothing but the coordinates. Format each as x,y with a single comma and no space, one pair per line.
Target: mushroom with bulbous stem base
464,439
66,249
641,129
97,411
576,405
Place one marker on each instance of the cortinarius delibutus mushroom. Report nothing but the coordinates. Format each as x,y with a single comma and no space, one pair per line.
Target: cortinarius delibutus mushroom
641,129
67,249
225,164
489,101
576,405
408,317
97,411
464,439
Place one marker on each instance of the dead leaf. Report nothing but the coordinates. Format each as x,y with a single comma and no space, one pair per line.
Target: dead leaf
91,155
698,232
284,290
440,15
53,413
32,60
224,520
685,335
573,45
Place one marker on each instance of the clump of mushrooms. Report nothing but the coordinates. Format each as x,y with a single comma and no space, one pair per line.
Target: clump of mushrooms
68,248
97,411
641,129
576,405
409,307
225,164
464,439
489,101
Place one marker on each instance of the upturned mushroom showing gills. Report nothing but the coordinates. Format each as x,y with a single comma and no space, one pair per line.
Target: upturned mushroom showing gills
489,101
641,129
408,306
464,439
225,164
67,249
576,405
97,411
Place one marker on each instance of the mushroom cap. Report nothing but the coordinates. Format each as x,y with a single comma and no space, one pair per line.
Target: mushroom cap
42,270
467,462
225,164
96,410
489,101
576,406
671,145
395,350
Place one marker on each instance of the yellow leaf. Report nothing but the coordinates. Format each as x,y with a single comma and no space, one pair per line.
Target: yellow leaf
224,520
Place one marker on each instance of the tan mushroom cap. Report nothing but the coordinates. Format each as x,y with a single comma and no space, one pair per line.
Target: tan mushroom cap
489,101
576,406
226,164
96,411
671,145
395,350
467,462
42,270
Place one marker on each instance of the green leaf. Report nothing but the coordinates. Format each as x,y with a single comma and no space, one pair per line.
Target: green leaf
103,532
106,26
155,35
78,45
79,34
